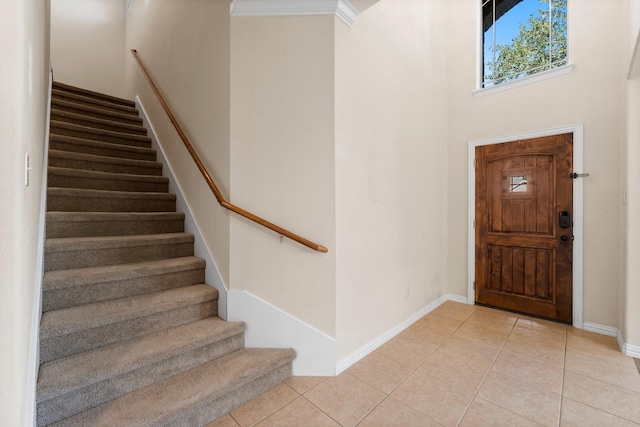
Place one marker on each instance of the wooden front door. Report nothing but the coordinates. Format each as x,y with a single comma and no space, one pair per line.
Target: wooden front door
524,226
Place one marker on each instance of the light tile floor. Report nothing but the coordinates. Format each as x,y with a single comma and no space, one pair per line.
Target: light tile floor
465,366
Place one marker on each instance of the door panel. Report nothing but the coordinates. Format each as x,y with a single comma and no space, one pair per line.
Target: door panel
523,263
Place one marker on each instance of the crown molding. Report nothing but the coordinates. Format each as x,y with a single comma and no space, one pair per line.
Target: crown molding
340,8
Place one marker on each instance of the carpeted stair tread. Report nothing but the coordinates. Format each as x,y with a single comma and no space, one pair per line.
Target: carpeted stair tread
82,252
95,102
108,181
63,279
92,94
82,120
84,224
71,160
61,322
73,330
99,148
190,398
76,383
79,286
71,129
75,372
88,200
95,111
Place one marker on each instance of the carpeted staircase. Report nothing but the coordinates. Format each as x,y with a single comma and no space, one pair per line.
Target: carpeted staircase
129,334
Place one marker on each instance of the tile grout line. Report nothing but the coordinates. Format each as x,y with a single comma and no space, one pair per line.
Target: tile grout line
564,370
414,370
475,394
321,411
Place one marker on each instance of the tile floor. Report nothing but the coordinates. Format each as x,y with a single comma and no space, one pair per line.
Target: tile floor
465,366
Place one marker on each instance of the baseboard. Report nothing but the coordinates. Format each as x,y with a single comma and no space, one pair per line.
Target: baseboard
457,298
201,249
362,352
631,350
628,349
600,329
270,327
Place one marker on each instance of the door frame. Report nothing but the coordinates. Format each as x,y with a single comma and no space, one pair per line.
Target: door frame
578,214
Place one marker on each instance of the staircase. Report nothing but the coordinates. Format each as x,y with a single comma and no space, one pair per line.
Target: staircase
129,334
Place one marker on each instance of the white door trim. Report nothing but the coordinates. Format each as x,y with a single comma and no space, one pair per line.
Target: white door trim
578,214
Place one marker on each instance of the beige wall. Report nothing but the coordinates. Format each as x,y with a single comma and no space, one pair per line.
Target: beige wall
391,148
282,162
590,94
631,303
185,46
24,41
630,296
87,44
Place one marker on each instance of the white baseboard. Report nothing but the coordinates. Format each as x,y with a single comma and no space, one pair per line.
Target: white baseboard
457,298
600,329
362,352
631,350
201,249
268,326
628,349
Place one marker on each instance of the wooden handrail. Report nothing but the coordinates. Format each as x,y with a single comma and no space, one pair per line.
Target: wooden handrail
216,191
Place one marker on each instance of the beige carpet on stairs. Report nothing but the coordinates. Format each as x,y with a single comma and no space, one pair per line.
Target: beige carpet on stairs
129,333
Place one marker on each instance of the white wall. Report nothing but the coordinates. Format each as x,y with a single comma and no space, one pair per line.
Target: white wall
185,46
282,162
24,41
391,168
590,94
87,44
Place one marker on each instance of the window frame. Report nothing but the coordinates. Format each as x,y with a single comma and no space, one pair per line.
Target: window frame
542,75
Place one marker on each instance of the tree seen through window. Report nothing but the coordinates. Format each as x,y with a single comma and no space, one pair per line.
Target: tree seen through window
522,37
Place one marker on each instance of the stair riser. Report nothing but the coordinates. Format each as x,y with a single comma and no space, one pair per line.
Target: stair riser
63,181
202,413
97,124
97,136
101,151
96,394
199,413
56,299
65,260
56,229
61,87
104,167
130,119
84,340
95,204
93,102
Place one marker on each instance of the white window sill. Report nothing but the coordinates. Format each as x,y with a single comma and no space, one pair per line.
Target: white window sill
524,80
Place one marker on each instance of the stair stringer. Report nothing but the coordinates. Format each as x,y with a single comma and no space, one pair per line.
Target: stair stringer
201,248
267,326
33,364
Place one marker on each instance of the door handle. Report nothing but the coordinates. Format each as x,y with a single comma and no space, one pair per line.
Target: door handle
566,237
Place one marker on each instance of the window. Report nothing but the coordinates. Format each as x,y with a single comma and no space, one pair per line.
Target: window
521,38
518,184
